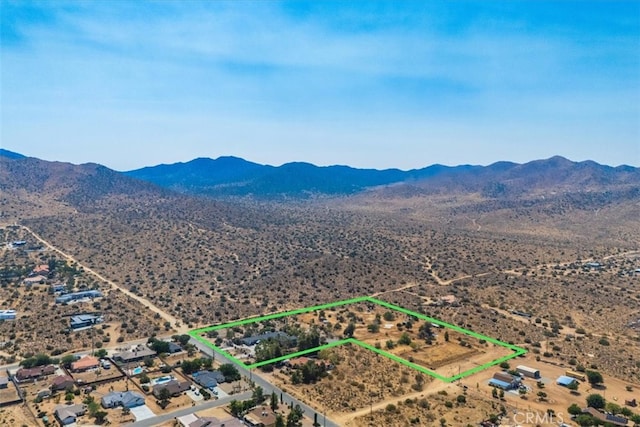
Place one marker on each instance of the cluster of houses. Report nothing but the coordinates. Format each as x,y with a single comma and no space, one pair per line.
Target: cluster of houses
41,273
38,275
68,414
61,380
506,381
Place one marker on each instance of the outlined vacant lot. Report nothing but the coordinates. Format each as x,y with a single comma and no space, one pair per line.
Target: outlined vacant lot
515,351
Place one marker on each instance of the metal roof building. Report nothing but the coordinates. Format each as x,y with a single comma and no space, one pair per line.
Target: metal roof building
500,384
565,381
528,372
78,295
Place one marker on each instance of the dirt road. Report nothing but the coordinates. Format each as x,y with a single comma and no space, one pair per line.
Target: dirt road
175,322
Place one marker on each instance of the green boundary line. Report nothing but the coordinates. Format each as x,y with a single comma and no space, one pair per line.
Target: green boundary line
517,351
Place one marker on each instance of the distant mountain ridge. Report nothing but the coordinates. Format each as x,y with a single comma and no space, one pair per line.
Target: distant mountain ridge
11,154
232,176
235,177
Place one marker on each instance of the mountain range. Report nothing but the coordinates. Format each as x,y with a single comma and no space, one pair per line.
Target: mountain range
235,177
232,176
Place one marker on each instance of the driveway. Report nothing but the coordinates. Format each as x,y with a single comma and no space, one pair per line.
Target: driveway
142,413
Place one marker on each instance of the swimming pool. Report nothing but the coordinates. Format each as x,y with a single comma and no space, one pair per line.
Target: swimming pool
137,371
162,380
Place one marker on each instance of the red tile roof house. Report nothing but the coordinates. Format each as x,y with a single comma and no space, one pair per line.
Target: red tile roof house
28,374
41,269
62,382
85,363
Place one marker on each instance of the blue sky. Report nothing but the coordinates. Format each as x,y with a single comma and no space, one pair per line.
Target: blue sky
370,84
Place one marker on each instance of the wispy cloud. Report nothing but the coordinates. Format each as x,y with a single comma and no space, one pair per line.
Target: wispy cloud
325,67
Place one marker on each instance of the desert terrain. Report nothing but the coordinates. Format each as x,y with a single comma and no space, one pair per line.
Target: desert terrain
551,271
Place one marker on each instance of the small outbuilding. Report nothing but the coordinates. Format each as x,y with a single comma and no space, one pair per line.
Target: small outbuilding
528,372
565,381
45,392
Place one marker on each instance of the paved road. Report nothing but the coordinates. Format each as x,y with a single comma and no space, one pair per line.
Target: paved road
267,386
189,410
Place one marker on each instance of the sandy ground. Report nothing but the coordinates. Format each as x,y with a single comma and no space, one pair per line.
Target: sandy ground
558,398
16,416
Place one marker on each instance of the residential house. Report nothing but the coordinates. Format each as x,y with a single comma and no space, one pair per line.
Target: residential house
126,399
42,270
84,321
208,379
28,374
174,348
68,414
137,354
78,296
62,382
284,339
260,417
606,418
59,288
85,363
29,281
194,420
175,388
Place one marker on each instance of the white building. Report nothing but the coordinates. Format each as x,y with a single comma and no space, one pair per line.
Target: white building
528,372
7,314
